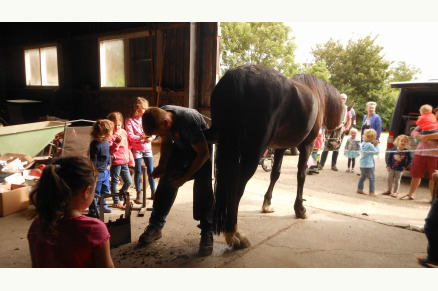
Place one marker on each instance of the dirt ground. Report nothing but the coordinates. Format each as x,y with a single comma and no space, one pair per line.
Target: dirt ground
342,230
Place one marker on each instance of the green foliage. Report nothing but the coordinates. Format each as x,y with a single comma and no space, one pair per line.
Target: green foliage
403,72
318,69
360,71
259,43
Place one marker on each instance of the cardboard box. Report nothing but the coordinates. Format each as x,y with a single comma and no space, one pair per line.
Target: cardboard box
13,198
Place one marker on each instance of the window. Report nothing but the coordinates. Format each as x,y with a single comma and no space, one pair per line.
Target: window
41,66
126,61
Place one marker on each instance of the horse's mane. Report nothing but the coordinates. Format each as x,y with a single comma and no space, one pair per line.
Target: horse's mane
329,97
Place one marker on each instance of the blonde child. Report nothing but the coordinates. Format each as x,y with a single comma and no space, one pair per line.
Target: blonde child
427,120
366,161
396,162
351,150
121,158
60,236
100,156
141,146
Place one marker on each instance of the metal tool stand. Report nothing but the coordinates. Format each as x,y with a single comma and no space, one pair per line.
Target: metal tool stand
143,208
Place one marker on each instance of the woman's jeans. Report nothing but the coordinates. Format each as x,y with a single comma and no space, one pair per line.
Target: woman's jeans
149,162
367,173
431,231
122,171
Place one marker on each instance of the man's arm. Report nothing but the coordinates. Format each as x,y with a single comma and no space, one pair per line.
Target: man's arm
165,151
202,155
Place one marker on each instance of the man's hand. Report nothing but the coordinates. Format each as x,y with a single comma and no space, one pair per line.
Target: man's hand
178,182
158,172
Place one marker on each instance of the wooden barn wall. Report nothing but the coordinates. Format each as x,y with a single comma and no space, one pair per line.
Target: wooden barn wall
207,64
79,95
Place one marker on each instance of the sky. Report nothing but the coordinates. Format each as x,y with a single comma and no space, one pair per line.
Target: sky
410,42
406,29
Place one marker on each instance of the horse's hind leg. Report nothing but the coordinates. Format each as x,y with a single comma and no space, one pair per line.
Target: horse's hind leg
275,174
300,210
248,164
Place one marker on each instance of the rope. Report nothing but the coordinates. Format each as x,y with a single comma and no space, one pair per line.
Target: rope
389,151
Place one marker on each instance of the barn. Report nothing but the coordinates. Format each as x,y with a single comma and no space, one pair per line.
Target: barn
86,70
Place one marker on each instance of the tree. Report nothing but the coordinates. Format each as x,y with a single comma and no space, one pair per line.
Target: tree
318,69
359,70
259,43
403,72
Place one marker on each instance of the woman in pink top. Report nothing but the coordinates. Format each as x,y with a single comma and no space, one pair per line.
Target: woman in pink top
141,146
61,236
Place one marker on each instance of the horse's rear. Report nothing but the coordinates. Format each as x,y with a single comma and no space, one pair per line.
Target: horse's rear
251,106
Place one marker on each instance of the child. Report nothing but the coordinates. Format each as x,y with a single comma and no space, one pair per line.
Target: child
319,142
367,162
351,150
141,146
396,162
100,155
60,236
427,120
121,158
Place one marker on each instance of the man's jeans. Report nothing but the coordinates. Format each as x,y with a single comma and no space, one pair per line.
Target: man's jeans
179,162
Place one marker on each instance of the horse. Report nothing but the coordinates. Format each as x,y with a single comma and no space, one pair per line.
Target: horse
253,107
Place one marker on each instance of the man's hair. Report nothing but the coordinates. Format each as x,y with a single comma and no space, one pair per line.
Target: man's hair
426,108
369,135
152,119
401,137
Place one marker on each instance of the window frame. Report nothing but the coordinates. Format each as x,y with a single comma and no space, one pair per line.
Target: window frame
58,64
126,49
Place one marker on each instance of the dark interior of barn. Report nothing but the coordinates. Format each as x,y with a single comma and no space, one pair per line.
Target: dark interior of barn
68,70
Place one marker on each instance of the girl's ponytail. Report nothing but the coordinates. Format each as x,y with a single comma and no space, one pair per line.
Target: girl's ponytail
59,182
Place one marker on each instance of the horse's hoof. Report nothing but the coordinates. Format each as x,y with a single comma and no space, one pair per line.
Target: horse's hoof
243,241
267,209
301,213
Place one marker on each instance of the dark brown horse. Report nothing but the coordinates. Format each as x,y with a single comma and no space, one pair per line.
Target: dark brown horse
253,107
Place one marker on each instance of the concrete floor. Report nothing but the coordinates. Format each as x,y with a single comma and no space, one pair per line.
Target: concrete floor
343,229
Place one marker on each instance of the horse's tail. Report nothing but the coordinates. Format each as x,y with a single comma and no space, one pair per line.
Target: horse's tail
227,116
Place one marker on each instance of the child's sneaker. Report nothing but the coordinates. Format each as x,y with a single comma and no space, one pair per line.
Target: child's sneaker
119,205
348,170
352,171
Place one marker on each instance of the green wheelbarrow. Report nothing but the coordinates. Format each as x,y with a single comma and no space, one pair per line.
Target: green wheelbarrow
28,138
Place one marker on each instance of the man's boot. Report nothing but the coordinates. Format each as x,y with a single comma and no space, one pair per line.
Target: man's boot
139,198
206,245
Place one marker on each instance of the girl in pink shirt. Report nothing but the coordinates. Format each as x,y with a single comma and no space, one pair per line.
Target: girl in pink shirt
121,158
141,146
61,236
